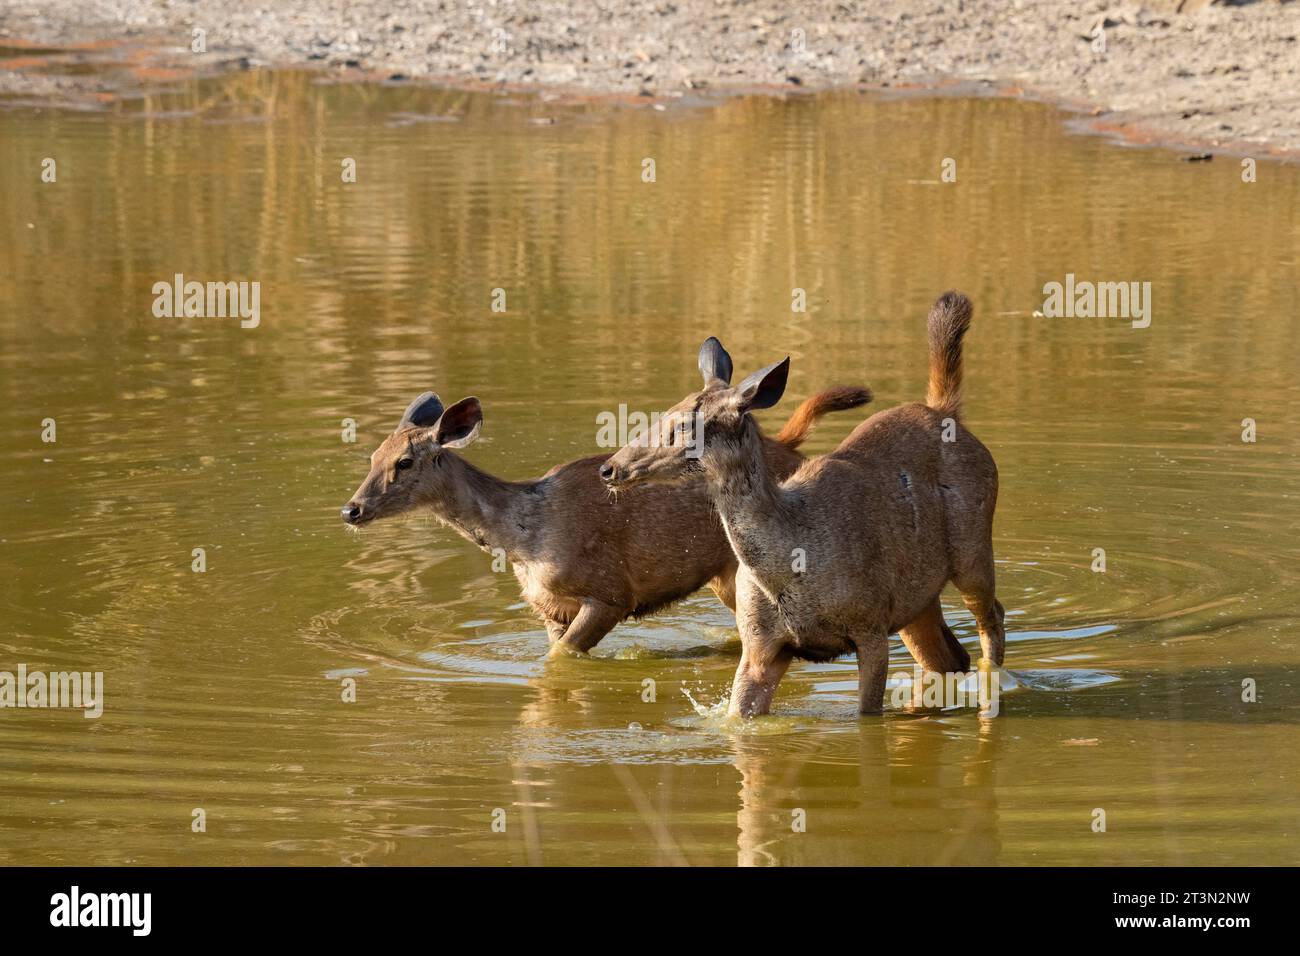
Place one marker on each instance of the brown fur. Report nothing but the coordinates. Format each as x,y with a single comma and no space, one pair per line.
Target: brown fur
949,319
882,523
837,399
585,558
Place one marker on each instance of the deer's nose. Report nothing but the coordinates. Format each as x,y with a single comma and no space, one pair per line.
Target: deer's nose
607,472
350,512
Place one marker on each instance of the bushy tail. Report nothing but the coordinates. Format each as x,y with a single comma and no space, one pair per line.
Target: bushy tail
837,399
949,320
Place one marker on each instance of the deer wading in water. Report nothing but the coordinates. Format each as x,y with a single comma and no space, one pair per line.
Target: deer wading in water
585,559
903,506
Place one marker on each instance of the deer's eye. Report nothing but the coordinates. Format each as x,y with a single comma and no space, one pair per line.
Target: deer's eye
404,463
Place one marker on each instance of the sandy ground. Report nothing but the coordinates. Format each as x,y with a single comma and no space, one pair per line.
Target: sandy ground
1184,71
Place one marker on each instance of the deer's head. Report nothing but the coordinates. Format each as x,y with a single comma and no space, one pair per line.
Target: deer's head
407,470
702,424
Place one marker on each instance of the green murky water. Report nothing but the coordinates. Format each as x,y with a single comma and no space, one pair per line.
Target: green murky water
223,688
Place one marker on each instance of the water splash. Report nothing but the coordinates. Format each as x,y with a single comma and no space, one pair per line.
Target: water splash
713,718
708,711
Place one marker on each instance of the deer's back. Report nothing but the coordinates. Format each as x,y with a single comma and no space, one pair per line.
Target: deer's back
908,439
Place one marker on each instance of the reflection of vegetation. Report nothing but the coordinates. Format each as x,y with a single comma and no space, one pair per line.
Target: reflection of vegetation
838,195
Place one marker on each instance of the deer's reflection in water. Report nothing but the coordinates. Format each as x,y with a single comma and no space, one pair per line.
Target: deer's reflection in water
915,791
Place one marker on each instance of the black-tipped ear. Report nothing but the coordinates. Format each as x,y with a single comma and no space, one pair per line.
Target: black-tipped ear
423,412
715,363
459,424
765,387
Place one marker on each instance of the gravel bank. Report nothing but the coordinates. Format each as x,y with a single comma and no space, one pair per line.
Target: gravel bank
1176,70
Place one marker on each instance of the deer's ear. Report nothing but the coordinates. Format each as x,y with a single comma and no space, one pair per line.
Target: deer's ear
715,363
459,424
422,412
764,388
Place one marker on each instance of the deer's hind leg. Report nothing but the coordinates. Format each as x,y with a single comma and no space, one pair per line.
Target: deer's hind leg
975,580
969,509
933,644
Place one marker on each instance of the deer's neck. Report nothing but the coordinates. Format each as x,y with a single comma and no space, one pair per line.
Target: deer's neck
492,513
753,507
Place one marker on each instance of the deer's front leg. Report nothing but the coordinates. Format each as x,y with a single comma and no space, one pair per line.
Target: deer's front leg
765,652
593,621
756,679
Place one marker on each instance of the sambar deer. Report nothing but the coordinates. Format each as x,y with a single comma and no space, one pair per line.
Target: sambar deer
856,544
585,559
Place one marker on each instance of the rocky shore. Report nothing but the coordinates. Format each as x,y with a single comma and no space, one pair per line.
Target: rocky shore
1183,71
